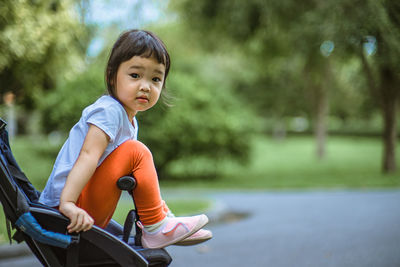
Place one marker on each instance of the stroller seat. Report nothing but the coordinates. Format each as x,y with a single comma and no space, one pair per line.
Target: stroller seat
44,228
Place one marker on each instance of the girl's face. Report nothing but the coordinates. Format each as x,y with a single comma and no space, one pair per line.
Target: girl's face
139,83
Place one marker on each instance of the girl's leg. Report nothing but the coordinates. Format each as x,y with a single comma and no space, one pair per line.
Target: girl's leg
100,196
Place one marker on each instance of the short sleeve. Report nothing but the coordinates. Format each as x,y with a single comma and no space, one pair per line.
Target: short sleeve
107,119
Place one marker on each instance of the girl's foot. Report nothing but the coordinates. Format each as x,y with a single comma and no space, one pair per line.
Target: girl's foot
173,230
199,237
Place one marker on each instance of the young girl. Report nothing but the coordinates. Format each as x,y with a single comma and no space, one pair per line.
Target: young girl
103,147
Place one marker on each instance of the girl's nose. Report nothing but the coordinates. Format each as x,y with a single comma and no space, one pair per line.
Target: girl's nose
144,86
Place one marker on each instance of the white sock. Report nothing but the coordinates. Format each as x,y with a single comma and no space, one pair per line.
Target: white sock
170,214
155,227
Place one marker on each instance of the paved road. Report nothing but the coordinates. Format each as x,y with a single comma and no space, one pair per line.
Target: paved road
304,229
285,229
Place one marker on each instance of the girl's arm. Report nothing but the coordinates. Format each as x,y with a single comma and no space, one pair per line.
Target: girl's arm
93,147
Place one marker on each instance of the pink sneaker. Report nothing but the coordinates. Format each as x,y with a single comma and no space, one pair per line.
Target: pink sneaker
199,237
174,230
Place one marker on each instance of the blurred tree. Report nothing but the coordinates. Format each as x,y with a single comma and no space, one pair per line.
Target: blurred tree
208,123
371,30
41,42
282,40
307,33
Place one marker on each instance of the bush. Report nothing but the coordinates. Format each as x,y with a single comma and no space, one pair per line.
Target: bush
62,108
206,126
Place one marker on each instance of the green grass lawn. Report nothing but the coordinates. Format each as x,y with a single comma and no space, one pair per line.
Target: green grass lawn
350,162
291,164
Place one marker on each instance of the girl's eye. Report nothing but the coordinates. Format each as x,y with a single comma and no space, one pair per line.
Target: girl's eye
134,75
156,79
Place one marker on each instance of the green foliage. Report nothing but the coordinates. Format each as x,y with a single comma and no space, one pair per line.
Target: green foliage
282,41
41,42
267,45
62,108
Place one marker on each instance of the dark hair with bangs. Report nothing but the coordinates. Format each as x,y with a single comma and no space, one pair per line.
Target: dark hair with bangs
134,43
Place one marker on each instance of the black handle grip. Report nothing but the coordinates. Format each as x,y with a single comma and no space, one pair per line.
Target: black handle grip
127,183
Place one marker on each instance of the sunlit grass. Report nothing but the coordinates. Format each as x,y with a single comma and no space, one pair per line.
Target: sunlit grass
350,162
3,229
35,156
291,164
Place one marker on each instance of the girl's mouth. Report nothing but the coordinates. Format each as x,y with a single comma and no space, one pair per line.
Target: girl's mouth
142,99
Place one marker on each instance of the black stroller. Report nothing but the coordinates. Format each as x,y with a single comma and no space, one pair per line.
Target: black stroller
44,228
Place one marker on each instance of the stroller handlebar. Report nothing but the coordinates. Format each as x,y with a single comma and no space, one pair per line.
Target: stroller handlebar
28,224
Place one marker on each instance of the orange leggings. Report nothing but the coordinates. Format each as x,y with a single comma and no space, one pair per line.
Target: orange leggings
100,196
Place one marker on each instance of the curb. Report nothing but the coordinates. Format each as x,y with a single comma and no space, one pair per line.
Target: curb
216,212
14,250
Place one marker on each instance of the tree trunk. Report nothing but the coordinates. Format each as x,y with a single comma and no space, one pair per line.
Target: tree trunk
318,83
389,94
322,108
321,113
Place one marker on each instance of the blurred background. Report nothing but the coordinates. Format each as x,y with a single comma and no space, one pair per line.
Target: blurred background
265,94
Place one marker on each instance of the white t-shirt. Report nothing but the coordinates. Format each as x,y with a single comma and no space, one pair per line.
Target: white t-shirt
107,114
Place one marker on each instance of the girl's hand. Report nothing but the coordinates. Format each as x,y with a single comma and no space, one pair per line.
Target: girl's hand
80,219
